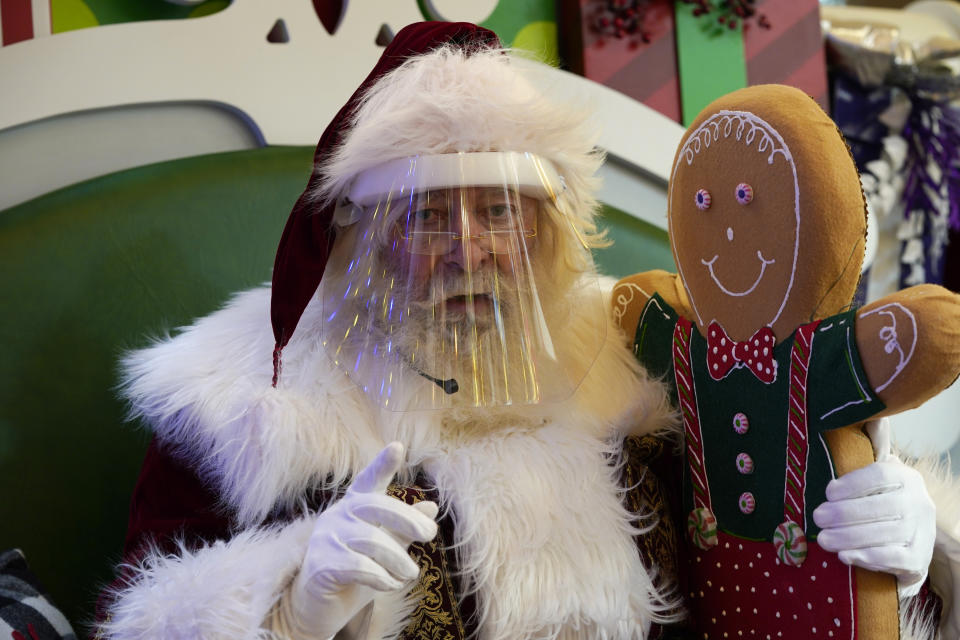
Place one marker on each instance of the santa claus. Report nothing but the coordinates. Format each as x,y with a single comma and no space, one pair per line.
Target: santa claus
452,439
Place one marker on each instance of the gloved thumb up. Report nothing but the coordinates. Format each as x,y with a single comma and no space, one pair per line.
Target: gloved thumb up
358,548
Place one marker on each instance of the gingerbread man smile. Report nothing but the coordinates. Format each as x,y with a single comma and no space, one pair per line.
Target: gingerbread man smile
763,267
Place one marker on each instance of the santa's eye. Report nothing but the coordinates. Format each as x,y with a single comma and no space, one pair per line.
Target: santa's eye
702,199
744,193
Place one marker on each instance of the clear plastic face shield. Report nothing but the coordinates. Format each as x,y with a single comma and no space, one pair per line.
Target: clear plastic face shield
447,286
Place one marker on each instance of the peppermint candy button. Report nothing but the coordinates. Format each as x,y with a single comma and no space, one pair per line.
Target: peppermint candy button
744,463
747,502
790,544
740,423
702,528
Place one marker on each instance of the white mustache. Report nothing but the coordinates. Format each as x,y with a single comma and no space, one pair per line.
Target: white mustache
475,285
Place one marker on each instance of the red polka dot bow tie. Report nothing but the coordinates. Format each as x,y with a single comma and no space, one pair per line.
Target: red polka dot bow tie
756,354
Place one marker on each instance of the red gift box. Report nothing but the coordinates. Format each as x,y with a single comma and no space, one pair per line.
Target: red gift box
642,61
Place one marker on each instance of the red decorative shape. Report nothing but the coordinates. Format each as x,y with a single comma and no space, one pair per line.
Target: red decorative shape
687,398
798,443
16,21
755,354
331,13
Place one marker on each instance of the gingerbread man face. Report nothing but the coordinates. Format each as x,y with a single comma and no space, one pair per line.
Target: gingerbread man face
760,239
740,224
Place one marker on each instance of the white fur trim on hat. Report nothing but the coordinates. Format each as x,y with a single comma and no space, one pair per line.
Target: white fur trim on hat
527,172
450,101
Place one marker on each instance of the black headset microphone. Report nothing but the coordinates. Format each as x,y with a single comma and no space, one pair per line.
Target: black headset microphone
449,386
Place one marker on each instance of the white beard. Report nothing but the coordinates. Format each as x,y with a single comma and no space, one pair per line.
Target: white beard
485,330
436,332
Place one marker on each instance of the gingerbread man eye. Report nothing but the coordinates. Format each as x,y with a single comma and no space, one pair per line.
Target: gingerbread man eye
702,199
744,193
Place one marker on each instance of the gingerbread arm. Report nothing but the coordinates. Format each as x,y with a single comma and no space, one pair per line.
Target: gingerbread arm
630,296
909,344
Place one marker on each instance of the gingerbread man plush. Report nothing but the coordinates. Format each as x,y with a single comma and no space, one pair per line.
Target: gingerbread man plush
771,365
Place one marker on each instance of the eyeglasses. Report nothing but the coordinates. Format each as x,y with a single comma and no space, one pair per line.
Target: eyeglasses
440,243
507,220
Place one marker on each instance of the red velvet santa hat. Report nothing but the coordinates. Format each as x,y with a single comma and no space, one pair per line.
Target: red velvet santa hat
308,235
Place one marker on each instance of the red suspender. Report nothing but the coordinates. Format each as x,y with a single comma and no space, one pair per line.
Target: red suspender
687,399
798,441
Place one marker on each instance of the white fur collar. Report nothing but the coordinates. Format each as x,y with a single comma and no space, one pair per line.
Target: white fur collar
543,538
541,532
207,393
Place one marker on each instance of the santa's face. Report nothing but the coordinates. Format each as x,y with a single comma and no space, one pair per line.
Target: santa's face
465,291
442,285
734,222
459,252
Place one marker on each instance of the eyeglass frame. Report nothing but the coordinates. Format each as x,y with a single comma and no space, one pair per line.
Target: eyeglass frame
453,237
487,236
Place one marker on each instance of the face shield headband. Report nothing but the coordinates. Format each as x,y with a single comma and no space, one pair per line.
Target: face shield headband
447,287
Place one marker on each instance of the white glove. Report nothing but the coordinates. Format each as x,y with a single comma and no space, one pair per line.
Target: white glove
358,548
880,517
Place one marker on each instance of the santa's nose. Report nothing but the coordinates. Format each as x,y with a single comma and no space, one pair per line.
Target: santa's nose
467,254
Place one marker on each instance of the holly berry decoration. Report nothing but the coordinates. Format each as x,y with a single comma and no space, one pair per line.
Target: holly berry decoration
729,13
620,19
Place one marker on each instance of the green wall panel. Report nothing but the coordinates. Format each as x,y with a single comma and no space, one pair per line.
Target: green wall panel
637,246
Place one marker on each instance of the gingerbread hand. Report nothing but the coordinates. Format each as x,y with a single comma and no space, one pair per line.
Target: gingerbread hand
897,334
909,343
